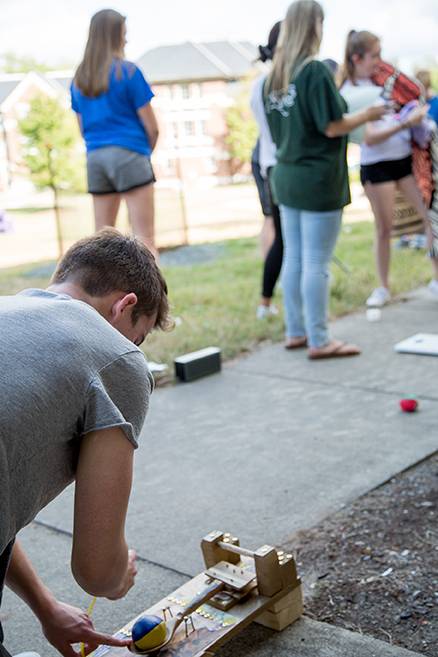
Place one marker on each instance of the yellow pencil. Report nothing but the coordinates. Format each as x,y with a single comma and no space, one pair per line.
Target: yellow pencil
89,612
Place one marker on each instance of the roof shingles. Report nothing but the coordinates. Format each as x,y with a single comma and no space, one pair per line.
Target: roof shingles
204,61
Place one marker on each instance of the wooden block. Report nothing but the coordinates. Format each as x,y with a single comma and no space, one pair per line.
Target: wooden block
269,580
287,601
198,363
288,569
277,622
212,553
288,615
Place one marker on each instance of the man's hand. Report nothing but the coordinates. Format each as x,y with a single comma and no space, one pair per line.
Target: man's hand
129,577
65,625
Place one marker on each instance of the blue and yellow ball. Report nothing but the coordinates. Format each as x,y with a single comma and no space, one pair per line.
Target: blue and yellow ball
148,632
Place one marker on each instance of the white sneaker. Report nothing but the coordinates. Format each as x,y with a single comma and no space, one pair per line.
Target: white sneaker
28,654
266,311
378,297
433,287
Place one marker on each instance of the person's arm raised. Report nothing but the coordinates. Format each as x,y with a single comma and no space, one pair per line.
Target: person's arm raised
351,121
150,124
101,562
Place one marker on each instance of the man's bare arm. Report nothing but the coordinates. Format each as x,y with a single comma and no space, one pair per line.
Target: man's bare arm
101,562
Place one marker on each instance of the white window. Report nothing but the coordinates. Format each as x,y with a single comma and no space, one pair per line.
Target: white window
189,128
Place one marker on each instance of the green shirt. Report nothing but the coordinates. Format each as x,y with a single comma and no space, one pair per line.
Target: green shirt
311,171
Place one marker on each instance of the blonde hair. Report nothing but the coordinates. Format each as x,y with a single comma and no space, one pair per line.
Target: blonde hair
299,38
105,42
425,78
358,43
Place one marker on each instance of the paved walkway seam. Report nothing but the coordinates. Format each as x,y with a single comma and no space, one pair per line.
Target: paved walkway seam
331,384
169,569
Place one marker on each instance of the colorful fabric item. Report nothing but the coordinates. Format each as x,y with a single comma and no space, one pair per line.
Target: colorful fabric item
397,86
421,134
401,89
433,212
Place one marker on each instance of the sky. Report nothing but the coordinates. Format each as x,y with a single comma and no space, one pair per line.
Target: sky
54,31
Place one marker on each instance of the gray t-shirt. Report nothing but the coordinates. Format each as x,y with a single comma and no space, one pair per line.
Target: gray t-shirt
64,372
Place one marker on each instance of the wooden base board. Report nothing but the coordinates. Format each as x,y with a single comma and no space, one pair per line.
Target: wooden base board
212,626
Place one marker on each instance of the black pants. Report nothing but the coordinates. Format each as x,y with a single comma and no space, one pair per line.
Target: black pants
4,563
274,258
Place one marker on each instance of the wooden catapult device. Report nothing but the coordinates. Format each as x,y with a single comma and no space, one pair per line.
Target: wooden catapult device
237,587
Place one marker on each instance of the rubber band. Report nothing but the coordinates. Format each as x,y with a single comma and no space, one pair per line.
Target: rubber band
89,613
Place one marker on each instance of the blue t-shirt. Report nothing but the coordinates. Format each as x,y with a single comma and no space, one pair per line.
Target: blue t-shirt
433,109
111,118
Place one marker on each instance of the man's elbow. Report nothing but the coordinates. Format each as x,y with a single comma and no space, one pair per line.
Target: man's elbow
95,580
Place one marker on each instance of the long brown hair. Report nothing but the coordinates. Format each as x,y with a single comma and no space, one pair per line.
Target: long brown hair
105,42
299,38
358,43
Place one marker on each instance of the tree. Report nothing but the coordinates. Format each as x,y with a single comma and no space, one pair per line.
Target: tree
50,137
13,63
242,130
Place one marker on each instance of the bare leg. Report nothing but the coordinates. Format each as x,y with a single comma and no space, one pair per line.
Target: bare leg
106,207
267,236
381,198
140,202
410,190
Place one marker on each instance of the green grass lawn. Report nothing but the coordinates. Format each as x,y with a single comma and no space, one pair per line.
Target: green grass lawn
216,301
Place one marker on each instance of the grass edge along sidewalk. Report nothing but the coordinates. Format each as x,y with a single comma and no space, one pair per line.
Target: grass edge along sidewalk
216,299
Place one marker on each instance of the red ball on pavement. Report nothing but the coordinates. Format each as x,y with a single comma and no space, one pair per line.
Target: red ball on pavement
408,405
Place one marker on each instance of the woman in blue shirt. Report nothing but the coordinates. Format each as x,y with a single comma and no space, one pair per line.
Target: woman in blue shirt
112,101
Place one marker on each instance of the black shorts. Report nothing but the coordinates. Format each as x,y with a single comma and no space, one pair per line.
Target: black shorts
263,189
386,171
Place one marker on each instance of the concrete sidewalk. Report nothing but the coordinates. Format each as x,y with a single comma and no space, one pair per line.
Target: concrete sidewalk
271,445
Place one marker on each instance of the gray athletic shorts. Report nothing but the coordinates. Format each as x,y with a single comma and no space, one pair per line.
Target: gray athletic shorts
114,169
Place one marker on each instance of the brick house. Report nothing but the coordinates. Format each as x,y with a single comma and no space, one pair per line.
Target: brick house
195,83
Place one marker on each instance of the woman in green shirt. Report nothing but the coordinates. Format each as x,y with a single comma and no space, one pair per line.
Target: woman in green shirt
307,119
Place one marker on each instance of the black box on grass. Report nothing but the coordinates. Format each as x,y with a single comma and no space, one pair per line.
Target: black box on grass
198,363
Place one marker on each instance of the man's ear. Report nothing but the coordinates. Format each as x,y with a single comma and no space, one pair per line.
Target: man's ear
122,304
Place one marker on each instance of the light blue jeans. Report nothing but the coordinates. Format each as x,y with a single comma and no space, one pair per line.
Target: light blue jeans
309,241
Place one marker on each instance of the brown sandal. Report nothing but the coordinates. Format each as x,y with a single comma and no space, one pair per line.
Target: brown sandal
334,349
296,343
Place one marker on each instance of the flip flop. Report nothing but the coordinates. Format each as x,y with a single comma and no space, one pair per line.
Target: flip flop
298,343
335,349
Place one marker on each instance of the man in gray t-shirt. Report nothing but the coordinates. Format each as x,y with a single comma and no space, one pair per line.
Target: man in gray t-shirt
75,390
